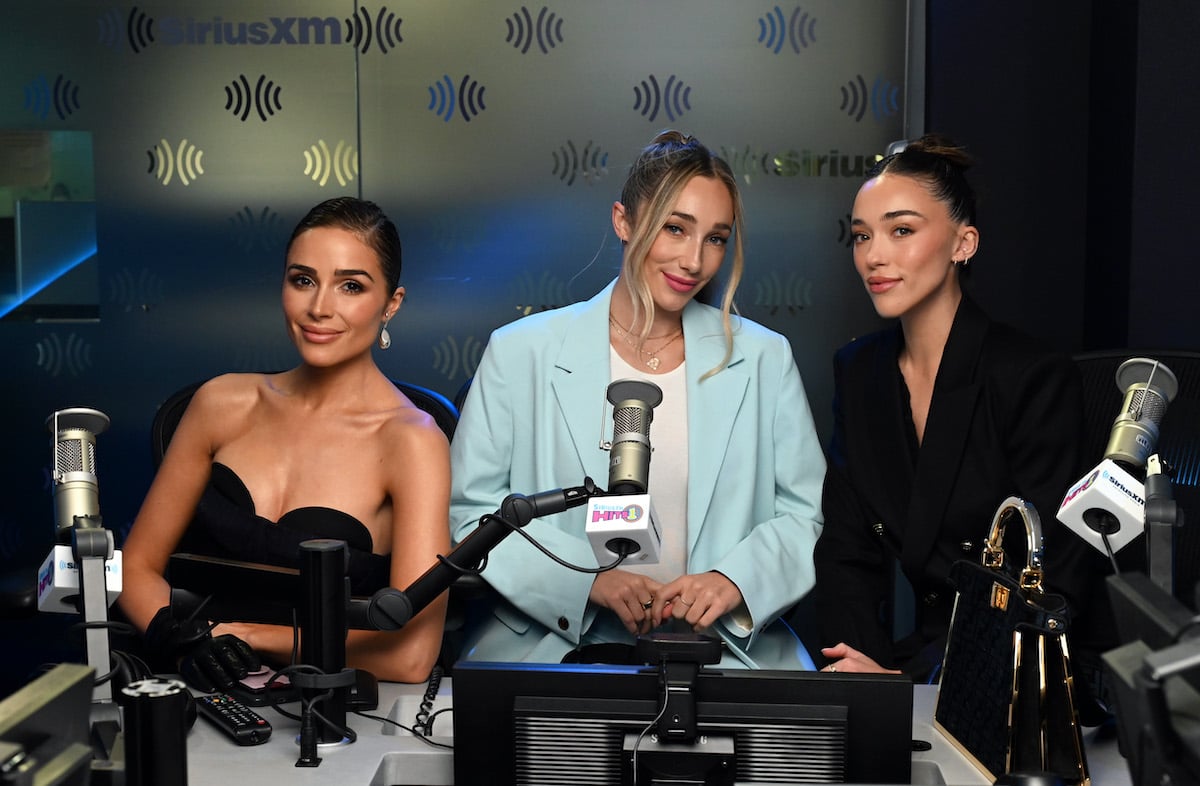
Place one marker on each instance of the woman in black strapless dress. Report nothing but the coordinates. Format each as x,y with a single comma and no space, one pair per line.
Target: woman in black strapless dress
331,448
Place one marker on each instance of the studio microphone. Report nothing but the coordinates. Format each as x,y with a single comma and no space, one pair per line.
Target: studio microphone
622,522
1107,506
76,512
1149,387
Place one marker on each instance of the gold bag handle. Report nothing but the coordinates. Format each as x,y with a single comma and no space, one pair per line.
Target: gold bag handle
993,550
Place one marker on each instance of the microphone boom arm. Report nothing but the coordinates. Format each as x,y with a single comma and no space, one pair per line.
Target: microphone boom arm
392,609
1163,519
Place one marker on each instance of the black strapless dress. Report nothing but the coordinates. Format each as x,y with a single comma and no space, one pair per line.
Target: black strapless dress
226,526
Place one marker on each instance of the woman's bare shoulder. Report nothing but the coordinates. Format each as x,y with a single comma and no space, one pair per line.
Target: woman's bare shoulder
407,424
228,388
228,396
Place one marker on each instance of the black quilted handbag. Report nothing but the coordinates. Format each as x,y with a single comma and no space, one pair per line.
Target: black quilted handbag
1006,696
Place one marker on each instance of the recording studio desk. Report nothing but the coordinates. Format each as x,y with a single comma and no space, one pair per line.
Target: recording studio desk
388,756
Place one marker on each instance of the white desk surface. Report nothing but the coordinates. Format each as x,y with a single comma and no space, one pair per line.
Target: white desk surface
385,755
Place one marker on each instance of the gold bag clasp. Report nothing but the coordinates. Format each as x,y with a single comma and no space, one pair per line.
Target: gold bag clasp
1000,595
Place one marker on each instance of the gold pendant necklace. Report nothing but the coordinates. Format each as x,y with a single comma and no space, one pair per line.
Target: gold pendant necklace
651,358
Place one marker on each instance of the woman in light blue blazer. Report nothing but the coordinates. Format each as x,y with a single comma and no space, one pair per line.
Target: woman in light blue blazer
735,478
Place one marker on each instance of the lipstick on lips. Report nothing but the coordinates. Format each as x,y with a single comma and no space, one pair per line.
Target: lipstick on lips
878,284
318,335
679,284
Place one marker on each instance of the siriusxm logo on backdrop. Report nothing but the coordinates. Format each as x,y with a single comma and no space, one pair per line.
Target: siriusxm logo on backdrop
360,30
749,161
274,31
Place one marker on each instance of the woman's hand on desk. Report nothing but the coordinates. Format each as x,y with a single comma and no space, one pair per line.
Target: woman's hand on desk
632,596
700,599
844,658
207,663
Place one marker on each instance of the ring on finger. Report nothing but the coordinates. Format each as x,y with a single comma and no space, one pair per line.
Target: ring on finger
684,602
647,604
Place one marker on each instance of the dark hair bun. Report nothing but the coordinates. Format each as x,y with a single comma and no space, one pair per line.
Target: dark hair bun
939,162
942,147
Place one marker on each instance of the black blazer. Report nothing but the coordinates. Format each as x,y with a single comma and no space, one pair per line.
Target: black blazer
1005,419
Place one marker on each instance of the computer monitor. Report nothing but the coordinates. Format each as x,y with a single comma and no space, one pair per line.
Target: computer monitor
44,729
1154,682
234,591
534,723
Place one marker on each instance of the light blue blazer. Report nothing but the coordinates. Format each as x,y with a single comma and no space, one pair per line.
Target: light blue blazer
534,421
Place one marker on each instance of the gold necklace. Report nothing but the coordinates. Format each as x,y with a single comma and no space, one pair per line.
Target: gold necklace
652,360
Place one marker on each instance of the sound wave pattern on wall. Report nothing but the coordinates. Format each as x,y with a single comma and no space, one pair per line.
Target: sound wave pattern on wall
793,293
591,163
57,356
467,99
524,30
63,97
674,98
185,160
136,292
883,98
139,28
798,30
342,163
240,98
383,31
845,233
257,231
456,362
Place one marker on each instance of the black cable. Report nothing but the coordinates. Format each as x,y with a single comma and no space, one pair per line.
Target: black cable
424,723
121,662
445,560
308,743
308,731
307,706
408,729
348,733
662,676
521,531
285,671
1111,556
126,663
200,634
434,716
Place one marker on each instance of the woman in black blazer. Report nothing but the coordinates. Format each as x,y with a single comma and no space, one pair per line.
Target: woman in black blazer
936,421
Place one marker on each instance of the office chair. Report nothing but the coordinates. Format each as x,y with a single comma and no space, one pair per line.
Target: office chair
1178,444
460,397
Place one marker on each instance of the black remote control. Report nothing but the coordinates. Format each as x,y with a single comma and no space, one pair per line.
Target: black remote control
242,724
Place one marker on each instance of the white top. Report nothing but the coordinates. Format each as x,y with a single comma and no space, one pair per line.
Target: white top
668,468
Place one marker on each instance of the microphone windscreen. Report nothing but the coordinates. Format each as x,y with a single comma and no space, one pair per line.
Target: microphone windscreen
1149,387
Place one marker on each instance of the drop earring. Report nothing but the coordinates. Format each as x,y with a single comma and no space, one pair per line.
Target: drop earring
385,339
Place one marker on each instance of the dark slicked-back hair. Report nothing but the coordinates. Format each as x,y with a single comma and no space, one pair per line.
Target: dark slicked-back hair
366,221
941,165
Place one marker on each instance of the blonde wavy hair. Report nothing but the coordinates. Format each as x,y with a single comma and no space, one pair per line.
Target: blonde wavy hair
656,178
